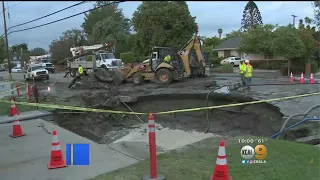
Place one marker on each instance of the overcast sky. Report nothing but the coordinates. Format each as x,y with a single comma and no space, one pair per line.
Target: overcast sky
210,17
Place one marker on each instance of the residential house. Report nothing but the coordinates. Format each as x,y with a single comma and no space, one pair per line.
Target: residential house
229,48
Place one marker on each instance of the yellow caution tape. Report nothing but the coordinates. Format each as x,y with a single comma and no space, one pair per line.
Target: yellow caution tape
3,92
52,106
239,104
75,108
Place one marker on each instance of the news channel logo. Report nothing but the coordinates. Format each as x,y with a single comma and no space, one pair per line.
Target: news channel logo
259,152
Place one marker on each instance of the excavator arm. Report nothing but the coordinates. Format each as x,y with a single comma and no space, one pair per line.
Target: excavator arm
184,53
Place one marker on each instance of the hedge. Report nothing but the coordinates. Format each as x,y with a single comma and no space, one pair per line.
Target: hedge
127,57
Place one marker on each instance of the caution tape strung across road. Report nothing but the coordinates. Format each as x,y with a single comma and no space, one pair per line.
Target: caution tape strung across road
53,106
239,104
3,92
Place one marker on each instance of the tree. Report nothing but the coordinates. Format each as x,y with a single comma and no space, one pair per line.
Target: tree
18,47
108,24
209,44
307,34
287,43
316,5
220,31
163,23
60,48
38,51
251,17
233,34
257,40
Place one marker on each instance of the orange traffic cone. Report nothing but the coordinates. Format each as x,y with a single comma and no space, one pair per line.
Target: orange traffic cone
311,78
56,159
301,78
221,169
13,108
17,130
291,77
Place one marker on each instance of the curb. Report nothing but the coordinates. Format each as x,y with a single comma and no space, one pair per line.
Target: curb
42,113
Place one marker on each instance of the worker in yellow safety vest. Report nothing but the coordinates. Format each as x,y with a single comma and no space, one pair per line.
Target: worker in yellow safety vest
167,58
80,70
248,73
242,68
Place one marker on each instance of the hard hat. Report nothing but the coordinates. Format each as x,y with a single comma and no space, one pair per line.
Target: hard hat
246,61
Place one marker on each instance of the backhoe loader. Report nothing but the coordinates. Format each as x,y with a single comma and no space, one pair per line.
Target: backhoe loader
183,64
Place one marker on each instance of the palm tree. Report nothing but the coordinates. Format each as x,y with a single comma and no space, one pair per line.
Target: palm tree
220,32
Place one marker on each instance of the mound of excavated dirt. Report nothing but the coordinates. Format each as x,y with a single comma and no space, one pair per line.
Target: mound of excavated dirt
101,79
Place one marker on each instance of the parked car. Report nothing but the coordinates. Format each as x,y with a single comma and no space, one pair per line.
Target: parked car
16,70
49,67
36,72
234,61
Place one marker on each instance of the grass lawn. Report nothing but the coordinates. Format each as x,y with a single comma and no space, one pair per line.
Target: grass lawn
5,107
285,161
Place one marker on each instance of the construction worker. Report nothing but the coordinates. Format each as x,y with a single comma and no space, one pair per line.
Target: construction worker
167,58
80,70
248,72
242,68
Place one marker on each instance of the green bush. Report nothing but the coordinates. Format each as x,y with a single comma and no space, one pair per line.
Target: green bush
272,65
216,60
127,57
227,66
141,58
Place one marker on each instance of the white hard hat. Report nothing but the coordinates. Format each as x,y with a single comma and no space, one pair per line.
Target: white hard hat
246,61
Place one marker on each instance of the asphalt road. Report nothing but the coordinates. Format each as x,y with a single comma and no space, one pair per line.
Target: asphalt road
54,77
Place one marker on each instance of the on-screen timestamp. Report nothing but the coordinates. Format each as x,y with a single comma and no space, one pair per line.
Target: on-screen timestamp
247,141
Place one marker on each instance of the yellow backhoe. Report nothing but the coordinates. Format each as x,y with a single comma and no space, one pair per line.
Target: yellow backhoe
183,63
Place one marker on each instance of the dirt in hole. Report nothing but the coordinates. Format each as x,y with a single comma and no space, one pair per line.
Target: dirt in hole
257,119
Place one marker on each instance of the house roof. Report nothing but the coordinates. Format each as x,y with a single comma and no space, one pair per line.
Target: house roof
231,43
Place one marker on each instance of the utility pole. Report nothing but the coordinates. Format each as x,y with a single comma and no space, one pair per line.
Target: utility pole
7,45
294,20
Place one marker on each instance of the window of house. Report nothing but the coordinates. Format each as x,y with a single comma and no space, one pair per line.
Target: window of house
268,56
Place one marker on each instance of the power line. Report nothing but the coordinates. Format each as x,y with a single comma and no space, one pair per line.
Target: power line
48,14
115,2
13,5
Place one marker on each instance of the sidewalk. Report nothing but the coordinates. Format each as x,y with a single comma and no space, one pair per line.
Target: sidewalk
29,155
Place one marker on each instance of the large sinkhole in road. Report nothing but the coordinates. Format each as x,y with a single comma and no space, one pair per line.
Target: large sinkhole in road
257,119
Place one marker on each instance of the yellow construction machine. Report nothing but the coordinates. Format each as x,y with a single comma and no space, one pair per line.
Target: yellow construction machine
184,63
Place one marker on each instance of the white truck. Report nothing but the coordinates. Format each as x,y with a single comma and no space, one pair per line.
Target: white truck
102,57
35,72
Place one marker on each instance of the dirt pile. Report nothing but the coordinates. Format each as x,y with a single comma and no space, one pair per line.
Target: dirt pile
101,79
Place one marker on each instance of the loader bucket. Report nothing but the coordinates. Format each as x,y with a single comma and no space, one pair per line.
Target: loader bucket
118,78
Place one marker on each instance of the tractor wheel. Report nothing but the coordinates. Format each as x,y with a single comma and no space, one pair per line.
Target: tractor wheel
164,76
73,72
137,78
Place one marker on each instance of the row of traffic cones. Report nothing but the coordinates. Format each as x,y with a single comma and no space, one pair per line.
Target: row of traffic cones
56,157
302,78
